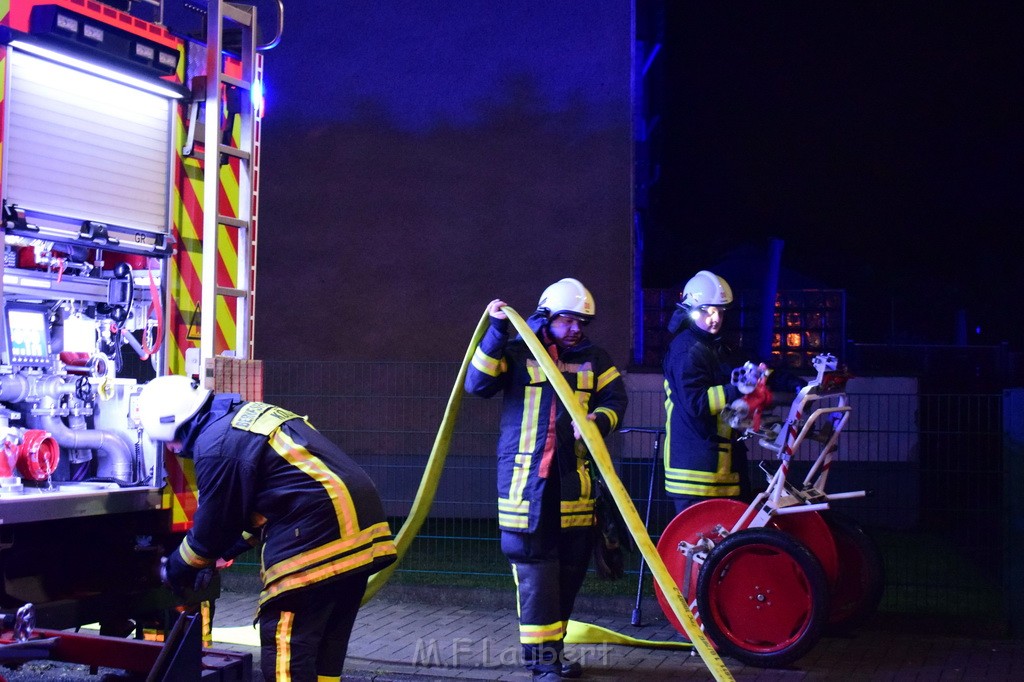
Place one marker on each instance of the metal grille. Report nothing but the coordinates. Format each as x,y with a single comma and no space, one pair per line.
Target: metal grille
933,463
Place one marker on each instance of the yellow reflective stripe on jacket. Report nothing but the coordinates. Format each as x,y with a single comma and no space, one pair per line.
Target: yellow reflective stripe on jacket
535,373
716,484
313,466
513,520
538,634
580,512
585,378
725,431
520,476
531,418
361,543
514,513
577,506
613,418
513,506
190,557
705,476
485,363
315,574
716,399
262,418
586,484
583,398
669,408
577,513
607,377
702,490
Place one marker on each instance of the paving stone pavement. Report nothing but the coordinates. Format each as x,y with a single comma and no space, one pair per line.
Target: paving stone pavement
405,635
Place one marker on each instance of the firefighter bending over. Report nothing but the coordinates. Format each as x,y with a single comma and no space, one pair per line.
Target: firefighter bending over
545,486
265,474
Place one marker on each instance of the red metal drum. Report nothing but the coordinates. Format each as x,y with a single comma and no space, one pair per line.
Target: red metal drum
709,518
704,519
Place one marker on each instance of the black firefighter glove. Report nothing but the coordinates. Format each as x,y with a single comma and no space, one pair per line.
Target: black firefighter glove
182,579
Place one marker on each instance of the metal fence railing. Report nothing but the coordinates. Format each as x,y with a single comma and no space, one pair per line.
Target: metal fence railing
932,461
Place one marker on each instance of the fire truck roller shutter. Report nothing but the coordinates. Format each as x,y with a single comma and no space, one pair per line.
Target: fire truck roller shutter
84,147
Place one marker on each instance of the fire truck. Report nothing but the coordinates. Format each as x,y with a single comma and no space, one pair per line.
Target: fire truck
129,174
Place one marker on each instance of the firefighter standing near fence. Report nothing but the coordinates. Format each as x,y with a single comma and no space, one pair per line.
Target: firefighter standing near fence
701,458
545,486
263,472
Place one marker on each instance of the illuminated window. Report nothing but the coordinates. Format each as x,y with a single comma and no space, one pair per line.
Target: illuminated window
807,323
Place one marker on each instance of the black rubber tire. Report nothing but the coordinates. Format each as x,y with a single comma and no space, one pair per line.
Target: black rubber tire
861,582
762,597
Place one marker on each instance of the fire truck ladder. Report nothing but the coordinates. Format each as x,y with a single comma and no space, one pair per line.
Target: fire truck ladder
222,16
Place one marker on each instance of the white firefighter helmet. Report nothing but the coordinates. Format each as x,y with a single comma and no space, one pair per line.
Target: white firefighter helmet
705,288
166,403
567,296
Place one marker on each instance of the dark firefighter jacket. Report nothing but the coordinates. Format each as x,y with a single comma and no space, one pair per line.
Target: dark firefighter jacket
698,443
527,432
262,467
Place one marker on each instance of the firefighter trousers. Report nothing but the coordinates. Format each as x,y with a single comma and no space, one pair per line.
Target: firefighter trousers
549,566
304,634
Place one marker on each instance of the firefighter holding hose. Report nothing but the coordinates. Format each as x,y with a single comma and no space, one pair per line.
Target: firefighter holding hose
545,485
264,474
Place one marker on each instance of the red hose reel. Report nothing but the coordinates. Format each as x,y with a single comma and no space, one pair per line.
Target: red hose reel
35,457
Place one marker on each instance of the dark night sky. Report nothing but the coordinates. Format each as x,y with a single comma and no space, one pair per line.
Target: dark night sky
881,141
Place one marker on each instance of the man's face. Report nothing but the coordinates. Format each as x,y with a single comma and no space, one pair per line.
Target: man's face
567,330
709,318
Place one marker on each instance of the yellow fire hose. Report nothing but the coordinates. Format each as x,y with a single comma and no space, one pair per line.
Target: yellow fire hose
577,632
432,473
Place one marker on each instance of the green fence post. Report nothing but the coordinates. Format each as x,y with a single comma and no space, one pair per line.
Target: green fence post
1013,452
